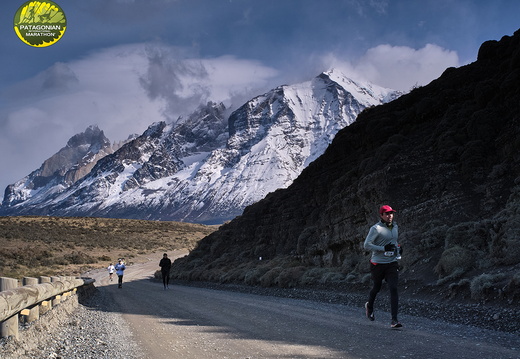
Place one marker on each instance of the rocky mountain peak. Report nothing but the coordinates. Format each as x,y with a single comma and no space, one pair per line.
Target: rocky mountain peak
92,136
67,166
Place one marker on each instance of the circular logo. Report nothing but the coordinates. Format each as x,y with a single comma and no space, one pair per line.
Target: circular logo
40,23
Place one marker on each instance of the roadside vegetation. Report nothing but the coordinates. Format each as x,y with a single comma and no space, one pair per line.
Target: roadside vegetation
35,246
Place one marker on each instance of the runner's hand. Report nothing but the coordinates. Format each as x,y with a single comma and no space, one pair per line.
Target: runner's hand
390,247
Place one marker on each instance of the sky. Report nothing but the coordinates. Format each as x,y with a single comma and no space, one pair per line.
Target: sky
125,64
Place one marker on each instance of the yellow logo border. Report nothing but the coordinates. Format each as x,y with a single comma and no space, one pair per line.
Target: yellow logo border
40,23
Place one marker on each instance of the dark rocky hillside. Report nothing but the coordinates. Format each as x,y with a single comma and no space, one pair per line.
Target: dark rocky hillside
445,156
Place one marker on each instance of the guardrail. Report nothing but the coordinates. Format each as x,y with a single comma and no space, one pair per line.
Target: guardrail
36,297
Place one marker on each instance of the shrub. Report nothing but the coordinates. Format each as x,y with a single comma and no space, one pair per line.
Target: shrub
469,235
512,289
454,262
215,275
252,276
352,278
461,287
290,277
433,237
366,279
78,257
484,285
313,275
269,278
505,249
234,275
333,278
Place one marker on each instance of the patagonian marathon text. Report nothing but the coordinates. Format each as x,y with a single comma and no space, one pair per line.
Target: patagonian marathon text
40,27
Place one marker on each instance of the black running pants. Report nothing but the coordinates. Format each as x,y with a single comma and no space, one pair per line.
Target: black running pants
165,277
390,273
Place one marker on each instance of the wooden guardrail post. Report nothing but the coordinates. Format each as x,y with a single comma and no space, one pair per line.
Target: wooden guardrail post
16,301
45,306
9,327
33,312
57,299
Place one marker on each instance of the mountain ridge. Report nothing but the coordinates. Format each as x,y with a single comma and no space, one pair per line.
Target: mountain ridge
207,168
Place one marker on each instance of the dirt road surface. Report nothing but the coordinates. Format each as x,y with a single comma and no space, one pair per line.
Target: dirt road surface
198,323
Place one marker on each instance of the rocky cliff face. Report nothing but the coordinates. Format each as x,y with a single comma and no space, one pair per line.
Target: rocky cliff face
445,156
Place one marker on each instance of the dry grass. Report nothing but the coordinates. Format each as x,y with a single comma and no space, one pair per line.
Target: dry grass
35,246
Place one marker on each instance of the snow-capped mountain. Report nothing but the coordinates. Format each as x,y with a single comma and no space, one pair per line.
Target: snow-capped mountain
63,169
207,168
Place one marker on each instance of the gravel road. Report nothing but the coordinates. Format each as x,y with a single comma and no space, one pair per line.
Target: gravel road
141,320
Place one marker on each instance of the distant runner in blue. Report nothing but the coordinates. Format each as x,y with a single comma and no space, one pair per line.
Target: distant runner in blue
120,270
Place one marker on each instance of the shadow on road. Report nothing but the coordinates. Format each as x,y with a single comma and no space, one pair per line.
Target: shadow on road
293,328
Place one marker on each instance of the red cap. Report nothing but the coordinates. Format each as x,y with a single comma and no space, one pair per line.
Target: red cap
385,209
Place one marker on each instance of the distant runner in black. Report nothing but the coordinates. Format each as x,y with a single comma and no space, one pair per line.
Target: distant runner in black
165,265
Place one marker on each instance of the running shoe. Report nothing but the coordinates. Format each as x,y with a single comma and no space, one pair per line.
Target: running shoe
396,324
369,312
